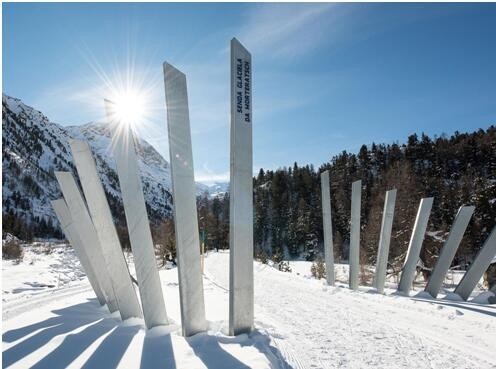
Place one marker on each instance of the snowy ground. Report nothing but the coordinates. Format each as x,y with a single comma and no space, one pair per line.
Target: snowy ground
52,320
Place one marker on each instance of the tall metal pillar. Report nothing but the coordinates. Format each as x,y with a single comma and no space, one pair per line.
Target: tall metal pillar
449,250
102,219
72,235
241,201
185,212
416,240
138,225
478,267
88,236
384,240
354,258
327,225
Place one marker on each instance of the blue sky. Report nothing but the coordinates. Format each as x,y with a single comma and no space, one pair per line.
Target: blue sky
326,77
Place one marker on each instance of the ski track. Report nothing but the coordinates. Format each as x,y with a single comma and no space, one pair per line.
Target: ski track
312,325
316,326
26,303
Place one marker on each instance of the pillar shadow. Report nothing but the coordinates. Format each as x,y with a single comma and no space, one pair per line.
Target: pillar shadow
273,354
67,320
262,342
209,351
73,345
110,351
157,352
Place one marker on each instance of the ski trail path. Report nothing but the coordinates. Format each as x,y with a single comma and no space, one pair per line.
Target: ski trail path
31,302
316,326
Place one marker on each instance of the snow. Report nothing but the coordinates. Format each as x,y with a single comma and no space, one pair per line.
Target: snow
50,327
216,189
437,235
300,323
333,326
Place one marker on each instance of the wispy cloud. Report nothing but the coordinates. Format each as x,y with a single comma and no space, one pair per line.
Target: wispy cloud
209,177
287,30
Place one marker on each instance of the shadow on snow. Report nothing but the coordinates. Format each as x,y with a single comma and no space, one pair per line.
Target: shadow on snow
91,322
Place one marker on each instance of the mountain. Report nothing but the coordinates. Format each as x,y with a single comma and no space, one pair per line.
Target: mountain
213,190
34,147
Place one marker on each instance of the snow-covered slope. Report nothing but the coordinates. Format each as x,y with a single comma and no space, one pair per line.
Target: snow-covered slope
34,147
155,170
213,190
300,323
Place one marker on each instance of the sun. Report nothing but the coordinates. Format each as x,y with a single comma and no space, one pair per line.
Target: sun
128,107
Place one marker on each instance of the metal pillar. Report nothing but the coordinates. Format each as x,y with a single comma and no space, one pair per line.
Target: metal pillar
150,288
354,258
88,236
327,225
72,235
449,250
478,267
412,256
102,219
185,212
384,241
241,201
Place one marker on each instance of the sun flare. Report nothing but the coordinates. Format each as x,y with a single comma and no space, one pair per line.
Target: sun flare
128,107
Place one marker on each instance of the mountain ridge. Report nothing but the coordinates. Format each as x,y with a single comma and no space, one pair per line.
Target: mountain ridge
34,147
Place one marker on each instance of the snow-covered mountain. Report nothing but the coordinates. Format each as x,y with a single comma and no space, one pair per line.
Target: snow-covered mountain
34,147
213,190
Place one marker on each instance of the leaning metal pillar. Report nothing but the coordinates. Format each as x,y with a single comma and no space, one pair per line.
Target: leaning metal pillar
140,237
449,250
70,231
241,203
412,256
185,214
384,240
327,225
102,219
88,236
354,258
478,267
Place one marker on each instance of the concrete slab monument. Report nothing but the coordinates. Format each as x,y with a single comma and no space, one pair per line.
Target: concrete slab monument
102,219
478,267
241,201
415,245
384,241
72,235
449,250
87,232
354,258
138,225
185,212
327,225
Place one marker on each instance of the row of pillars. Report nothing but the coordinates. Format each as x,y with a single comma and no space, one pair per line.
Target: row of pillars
86,219
408,272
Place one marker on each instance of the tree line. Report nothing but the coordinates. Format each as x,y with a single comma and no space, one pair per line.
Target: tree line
455,170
